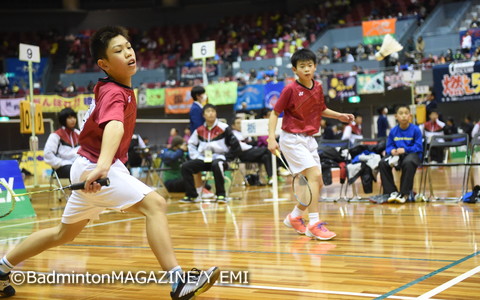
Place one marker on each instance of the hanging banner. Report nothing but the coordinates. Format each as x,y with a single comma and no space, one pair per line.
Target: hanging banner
374,31
252,94
370,83
155,97
55,103
340,88
195,72
457,81
178,100
10,107
394,80
222,93
272,93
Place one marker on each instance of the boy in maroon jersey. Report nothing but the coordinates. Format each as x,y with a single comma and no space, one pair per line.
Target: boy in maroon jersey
104,143
303,106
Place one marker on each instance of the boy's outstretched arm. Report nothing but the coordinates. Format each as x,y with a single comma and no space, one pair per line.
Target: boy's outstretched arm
346,118
272,125
112,135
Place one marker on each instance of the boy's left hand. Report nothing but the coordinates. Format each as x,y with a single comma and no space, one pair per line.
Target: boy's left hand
346,118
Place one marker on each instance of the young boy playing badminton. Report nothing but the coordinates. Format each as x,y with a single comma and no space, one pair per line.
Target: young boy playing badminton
104,143
303,105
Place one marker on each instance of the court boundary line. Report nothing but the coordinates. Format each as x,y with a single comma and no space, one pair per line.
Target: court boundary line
431,274
137,218
449,284
287,289
105,211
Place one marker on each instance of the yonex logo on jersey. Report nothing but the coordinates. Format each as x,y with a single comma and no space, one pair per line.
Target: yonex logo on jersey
129,99
300,93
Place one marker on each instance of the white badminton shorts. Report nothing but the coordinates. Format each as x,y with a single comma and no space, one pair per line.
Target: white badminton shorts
301,151
123,192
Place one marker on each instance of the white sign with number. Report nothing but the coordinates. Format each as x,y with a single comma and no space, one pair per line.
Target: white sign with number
258,127
203,49
411,75
422,89
29,53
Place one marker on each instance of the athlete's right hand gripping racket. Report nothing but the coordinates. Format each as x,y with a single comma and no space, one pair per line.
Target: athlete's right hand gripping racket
301,189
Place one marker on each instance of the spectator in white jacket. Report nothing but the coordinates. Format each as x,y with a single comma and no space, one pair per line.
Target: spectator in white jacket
62,145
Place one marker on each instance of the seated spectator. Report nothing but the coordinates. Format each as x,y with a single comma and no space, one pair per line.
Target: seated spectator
433,127
262,140
475,129
173,133
135,151
4,84
172,158
62,145
467,126
186,134
459,55
208,147
475,23
59,89
404,152
250,153
420,46
450,127
327,130
353,131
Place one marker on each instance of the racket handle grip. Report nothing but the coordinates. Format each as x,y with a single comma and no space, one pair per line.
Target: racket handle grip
81,185
277,153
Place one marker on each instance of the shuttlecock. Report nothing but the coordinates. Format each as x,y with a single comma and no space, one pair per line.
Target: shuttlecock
389,46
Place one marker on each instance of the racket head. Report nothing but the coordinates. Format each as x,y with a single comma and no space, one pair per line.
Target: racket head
302,190
6,207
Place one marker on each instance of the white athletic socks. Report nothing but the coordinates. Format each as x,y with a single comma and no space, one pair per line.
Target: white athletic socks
175,274
296,212
199,190
313,218
5,265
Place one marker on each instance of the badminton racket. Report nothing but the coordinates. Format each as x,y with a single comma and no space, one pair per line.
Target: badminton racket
300,187
6,208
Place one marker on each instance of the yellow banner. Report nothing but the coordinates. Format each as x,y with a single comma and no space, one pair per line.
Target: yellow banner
55,103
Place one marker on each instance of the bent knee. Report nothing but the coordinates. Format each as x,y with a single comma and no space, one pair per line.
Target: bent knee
155,202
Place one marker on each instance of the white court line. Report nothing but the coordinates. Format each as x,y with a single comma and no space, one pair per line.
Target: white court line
278,288
448,284
138,218
32,222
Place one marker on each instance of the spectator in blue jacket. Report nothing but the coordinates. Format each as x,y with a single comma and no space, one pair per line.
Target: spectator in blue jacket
196,111
404,152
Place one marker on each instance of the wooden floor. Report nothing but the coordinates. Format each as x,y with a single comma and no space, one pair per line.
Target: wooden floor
388,251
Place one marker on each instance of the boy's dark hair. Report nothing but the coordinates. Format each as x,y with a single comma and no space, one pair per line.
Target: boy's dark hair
234,120
303,55
64,114
196,91
207,106
402,106
177,141
101,38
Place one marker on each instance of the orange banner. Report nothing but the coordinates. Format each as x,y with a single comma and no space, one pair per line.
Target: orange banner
379,27
178,100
